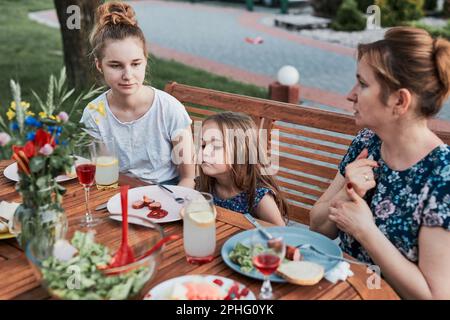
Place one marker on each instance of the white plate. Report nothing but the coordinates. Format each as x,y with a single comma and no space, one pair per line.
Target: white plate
11,173
156,193
163,290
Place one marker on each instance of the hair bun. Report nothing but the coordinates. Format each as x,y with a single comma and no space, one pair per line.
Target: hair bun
116,13
442,58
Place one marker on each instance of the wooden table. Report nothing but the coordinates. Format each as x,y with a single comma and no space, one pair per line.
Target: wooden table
17,280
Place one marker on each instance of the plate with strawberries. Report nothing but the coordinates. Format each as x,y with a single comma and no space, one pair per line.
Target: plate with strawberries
200,287
153,203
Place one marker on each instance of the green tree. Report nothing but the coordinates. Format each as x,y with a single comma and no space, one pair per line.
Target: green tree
399,12
76,18
349,18
326,8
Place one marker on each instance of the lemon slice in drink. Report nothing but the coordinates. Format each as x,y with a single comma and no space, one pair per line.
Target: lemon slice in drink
105,161
203,218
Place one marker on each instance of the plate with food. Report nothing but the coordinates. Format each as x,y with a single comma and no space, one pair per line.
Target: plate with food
7,210
153,202
236,253
11,172
200,287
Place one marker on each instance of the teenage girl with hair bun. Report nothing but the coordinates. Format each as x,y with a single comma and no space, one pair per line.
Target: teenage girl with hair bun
151,128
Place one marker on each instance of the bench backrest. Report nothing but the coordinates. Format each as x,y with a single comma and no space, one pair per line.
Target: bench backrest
312,142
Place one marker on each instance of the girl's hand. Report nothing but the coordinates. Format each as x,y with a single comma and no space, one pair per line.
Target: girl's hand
359,173
353,217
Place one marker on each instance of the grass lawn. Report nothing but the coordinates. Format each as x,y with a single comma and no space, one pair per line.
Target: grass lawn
30,52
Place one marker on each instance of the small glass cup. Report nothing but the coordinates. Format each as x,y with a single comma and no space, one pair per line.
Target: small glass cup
199,229
107,164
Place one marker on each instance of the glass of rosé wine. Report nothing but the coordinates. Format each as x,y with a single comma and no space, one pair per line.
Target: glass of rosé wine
266,258
85,165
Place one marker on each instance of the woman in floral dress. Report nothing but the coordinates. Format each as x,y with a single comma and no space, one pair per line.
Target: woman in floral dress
390,201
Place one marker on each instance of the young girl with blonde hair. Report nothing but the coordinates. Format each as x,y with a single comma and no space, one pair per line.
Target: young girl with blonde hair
231,168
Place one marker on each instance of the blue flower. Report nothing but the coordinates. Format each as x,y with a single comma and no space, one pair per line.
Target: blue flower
30,121
59,130
65,143
14,126
51,129
31,135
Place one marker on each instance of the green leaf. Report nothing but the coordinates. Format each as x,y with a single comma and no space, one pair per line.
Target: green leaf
39,100
66,96
37,164
41,182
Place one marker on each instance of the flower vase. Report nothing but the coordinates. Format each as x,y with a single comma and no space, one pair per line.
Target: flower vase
41,227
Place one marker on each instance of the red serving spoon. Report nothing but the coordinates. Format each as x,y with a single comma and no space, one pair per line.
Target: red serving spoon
159,244
125,254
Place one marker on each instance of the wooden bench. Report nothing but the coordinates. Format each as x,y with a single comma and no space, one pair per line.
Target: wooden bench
312,142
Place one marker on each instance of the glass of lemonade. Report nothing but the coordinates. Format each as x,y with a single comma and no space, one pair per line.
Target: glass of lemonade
107,165
199,229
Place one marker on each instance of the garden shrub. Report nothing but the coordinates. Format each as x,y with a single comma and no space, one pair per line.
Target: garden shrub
349,18
399,12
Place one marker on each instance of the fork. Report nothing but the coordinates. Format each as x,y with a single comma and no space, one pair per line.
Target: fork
177,199
311,247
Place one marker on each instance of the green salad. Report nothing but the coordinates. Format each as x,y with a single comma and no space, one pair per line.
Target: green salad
242,255
79,278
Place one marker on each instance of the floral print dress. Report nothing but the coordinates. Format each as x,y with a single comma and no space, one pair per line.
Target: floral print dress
402,201
239,202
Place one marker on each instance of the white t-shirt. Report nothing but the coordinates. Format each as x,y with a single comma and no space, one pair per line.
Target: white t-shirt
144,145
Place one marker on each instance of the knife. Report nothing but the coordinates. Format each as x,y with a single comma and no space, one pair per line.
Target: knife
101,206
258,226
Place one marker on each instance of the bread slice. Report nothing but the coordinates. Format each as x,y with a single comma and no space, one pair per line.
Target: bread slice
304,273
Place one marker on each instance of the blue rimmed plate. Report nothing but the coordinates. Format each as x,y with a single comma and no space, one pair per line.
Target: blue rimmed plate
292,236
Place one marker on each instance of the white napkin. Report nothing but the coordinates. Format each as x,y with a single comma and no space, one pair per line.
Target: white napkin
7,210
340,272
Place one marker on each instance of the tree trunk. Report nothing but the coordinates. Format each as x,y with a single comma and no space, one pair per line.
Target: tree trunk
76,18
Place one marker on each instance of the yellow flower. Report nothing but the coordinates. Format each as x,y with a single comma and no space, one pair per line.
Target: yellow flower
30,113
42,115
10,114
24,105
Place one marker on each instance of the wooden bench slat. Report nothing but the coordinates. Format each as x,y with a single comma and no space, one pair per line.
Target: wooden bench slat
311,145
299,188
312,135
275,110
288,193
310,168
322,185
298,213
307,154
200,111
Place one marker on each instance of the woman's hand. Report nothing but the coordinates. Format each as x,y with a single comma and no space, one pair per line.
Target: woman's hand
354,216
360,173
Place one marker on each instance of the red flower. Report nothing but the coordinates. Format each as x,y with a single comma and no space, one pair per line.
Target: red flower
28,149
42,138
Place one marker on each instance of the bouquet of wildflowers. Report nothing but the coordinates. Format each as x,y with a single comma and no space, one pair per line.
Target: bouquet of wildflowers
41,139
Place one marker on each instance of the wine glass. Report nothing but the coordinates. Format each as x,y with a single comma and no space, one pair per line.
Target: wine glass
267,256
85,162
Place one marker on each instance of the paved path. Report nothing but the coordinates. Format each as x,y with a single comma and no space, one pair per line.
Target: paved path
213,38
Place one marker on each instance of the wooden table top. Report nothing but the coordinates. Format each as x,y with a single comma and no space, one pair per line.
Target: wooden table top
17,280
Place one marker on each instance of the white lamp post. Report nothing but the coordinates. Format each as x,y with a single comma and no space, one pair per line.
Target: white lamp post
286,88
288,76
